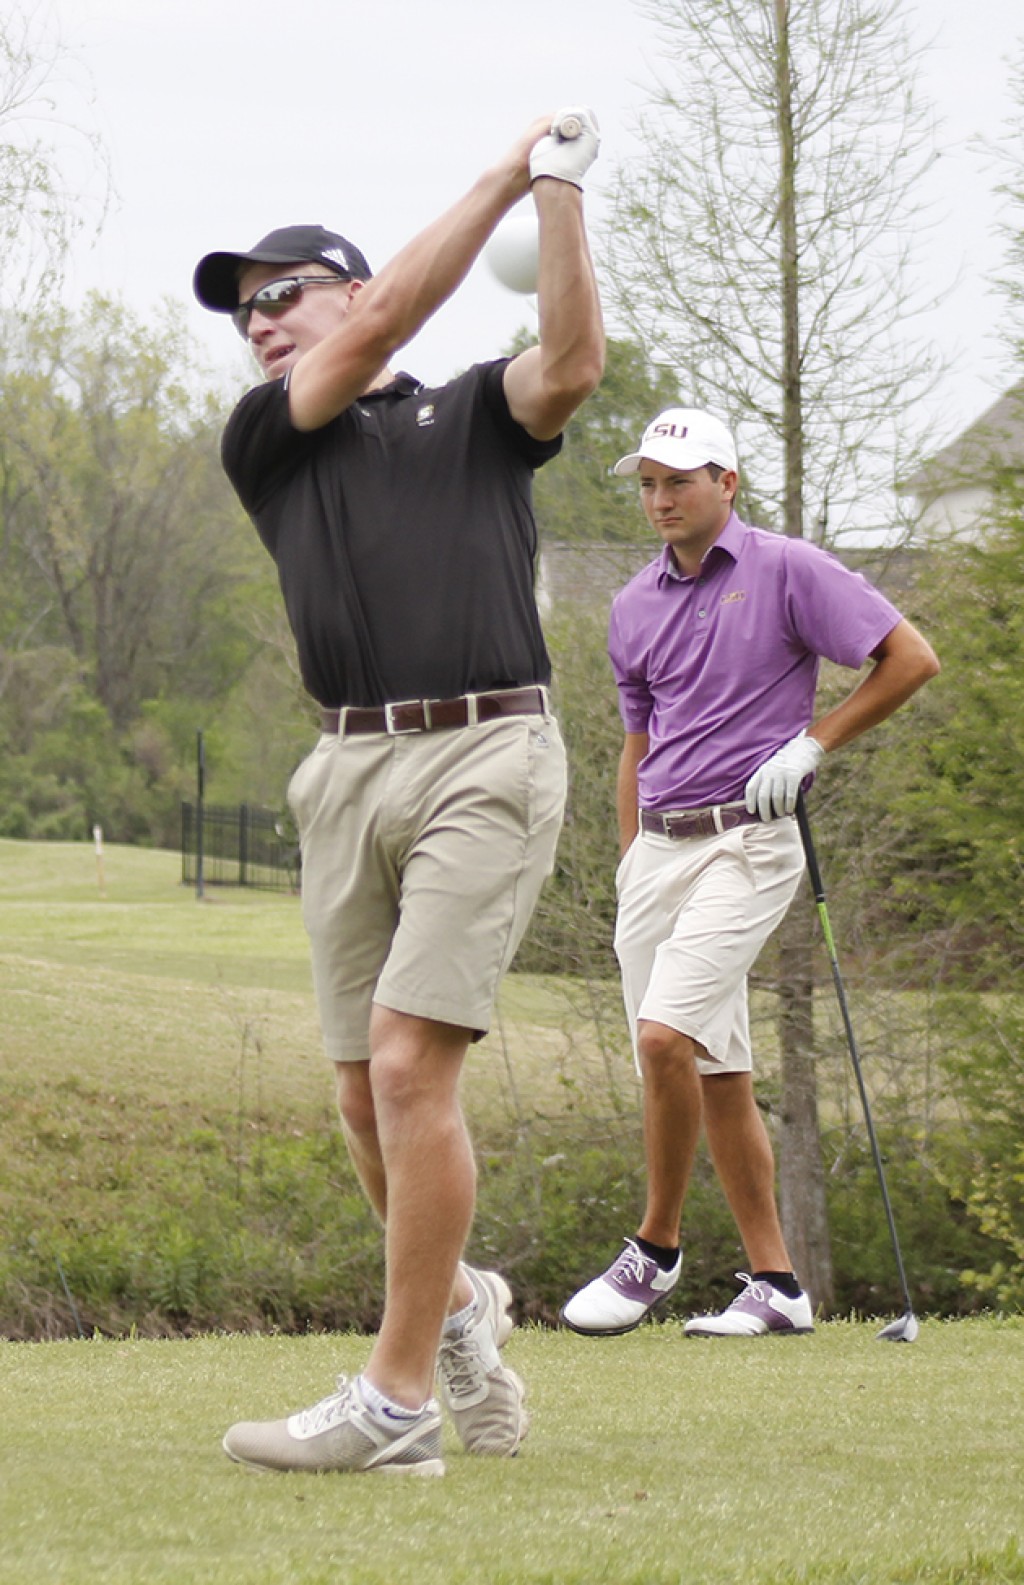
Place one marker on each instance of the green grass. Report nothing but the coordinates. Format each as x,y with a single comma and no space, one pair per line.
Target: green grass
167,1119
169,1141
651,1459
149,970
153,1048
203,1009
147,974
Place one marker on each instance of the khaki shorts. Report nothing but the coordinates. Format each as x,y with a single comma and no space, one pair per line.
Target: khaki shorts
422,859
693,916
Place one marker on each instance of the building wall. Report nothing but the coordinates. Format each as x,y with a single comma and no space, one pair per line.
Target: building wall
961,513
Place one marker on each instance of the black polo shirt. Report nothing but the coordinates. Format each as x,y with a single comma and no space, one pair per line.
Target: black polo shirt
404,536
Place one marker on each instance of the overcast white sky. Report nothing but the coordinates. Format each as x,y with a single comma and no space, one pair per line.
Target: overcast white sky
224,120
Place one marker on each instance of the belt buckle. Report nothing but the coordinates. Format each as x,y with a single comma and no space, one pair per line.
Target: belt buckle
692,823
390,725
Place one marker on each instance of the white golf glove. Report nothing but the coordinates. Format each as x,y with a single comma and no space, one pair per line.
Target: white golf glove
567,159
772,789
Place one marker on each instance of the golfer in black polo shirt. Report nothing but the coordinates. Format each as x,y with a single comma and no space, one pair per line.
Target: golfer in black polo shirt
400,519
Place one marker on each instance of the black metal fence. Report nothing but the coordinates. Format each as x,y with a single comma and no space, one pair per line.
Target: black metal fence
238,845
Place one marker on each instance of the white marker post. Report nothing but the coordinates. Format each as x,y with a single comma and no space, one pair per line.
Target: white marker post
97,836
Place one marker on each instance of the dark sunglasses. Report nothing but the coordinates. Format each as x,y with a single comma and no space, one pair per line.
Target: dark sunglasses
278,296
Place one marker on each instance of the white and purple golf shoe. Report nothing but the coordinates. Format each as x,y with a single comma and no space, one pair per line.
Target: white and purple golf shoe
758,1310
618,1300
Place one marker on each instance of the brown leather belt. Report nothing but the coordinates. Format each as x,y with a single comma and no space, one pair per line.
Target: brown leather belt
433,715
697,822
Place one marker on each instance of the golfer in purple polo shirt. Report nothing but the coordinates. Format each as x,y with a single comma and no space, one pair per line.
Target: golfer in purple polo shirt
715,647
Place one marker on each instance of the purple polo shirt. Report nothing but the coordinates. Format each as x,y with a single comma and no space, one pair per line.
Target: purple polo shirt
720,669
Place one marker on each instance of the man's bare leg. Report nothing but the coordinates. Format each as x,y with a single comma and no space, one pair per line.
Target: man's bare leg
742,1155
620,1298
430,1178
359,1126
672,1118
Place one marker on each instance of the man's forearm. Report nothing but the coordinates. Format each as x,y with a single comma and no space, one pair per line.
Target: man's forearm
572,343
626,794
905,663
392,307
546,384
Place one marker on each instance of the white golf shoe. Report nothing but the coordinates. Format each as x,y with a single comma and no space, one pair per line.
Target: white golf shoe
342,1434
483,1397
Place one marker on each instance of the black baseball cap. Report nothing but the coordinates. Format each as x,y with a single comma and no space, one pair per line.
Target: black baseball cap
215,281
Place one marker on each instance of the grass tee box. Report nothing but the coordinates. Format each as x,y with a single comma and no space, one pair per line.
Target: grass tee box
652,1460
150,991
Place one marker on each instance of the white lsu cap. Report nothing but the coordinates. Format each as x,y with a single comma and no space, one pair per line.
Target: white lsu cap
684,438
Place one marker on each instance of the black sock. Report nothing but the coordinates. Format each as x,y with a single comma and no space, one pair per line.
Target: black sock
785,1281
666,1258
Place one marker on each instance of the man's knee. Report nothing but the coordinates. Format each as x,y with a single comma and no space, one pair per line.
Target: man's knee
355,1097
413,1059
662,1050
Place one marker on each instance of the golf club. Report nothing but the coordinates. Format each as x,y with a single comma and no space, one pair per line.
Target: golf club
568,127
903,1330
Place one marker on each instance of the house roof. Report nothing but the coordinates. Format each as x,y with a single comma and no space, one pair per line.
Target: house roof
590,575
996,438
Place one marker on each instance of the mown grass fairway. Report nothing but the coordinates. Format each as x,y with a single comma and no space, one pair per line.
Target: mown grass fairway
652,1460
169,1144
152,985
184,1004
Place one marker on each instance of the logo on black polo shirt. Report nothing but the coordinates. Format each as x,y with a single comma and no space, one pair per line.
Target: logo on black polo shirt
425,414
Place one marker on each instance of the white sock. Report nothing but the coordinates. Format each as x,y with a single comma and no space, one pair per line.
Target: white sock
456,1324
383,1407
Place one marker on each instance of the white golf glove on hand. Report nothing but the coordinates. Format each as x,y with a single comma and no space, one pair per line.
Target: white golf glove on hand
772,789
567,159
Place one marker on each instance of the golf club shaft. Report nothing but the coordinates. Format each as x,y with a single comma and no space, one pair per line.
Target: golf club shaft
817,887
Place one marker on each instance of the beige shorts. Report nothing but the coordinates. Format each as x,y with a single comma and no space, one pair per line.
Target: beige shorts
422,859
693,916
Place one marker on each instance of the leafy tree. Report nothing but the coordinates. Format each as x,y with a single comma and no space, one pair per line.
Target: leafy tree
124,536
127,569
983,1160
268,721
965,815
1008,153
577,499
959,806
762,248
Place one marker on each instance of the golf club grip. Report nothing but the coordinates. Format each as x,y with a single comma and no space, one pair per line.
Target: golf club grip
810,855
